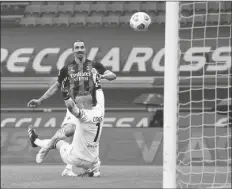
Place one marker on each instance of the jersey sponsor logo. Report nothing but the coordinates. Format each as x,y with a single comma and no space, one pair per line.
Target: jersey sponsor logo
80,76
140,59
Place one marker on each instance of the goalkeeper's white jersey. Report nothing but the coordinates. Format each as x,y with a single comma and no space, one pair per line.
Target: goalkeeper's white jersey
87,134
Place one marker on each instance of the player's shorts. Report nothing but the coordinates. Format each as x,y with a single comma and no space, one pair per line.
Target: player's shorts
70,119
71,159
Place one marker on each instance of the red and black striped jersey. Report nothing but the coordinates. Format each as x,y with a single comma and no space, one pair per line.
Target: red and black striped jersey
77,76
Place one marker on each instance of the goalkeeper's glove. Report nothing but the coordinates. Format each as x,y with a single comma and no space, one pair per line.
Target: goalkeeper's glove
65,94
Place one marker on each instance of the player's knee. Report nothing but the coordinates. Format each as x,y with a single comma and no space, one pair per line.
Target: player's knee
69,129
60,144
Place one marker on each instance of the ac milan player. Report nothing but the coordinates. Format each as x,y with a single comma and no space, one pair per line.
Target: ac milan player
77,75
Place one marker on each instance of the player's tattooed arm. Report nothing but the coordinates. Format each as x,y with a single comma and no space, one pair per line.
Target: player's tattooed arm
108,75
50,92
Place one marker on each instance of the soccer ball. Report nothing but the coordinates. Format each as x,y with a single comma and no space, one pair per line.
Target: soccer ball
140,21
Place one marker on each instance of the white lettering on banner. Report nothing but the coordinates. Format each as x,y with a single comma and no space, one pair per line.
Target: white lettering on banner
4,54
223,62
39,59
196,147
112,59
148,153
156,63
190,57
125,122
199,147
36,122
139,60
7,120
143,122
63,57
17,61
222,122
108,121
52,122
23,121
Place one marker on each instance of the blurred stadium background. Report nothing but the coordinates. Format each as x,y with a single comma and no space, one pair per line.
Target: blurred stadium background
36,38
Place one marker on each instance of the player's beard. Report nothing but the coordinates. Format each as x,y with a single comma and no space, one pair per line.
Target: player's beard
79,56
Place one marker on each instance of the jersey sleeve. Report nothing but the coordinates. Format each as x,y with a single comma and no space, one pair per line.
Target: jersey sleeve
62,75
99,67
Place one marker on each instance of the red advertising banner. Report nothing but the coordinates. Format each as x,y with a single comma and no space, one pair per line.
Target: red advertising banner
55,119
33,52
112,119
126,146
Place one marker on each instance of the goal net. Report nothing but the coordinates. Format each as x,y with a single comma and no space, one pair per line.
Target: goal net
204,127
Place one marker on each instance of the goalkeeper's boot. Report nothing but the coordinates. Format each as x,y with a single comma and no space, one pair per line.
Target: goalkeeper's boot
68,172
94,172
41,154
96,169
32,136
90,173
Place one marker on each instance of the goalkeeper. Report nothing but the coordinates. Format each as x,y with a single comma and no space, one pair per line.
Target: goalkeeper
83,152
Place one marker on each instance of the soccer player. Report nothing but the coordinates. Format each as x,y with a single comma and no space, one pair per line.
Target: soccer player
84,150
77,75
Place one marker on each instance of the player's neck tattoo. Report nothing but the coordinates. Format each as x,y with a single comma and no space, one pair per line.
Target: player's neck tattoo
80,60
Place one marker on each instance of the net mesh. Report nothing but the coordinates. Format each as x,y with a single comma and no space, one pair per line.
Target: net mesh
204,129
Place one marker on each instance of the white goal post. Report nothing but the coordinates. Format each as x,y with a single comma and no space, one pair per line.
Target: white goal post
197,141
170,94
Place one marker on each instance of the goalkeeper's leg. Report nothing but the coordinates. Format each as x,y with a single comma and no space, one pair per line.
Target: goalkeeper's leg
69,131
46,144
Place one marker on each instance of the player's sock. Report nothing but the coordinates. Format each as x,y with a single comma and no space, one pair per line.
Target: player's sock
69,167
42,143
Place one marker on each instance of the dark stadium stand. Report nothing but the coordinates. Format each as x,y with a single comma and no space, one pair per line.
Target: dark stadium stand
13,8
104,13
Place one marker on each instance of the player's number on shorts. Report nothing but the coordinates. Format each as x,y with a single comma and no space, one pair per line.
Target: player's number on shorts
98,129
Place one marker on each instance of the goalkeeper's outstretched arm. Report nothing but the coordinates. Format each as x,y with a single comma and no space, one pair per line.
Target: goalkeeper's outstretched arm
70,104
